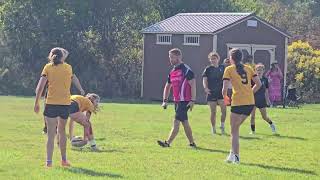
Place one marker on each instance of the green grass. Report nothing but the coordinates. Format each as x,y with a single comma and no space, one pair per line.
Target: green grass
128,133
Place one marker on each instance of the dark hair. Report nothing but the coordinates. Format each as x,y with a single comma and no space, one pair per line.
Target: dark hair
236,56
55,56
175,51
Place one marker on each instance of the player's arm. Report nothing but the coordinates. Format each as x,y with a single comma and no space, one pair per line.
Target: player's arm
76,82
225,86
205,85
41,84
267,97
193,85
226,82
257,83
166,91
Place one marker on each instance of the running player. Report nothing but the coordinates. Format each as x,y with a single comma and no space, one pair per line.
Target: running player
242,104
261,98
212,84
183,84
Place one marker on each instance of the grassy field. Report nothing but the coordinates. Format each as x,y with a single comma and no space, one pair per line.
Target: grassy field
127,134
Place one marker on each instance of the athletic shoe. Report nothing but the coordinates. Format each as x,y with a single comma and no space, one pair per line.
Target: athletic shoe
94,148
65,164
273,128
236,159
193,145
230,158
48,165
214,131
163,143
44,130
222,130
252,133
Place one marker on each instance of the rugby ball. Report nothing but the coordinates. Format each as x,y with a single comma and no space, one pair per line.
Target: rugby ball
77,141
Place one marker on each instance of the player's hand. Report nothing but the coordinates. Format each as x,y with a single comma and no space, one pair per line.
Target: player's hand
36,108
190,105
164,105
207,90
82,92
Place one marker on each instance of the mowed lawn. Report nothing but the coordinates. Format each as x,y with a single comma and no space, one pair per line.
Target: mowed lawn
127,135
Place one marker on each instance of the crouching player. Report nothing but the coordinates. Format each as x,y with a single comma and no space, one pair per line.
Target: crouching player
79,105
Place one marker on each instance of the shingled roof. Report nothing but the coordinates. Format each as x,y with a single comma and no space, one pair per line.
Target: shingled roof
203,23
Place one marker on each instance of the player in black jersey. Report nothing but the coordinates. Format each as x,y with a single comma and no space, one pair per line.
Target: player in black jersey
212,83
261,100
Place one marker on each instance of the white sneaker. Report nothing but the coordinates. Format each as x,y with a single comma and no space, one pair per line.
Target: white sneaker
252,133
222,130
273,128
232,158
236,159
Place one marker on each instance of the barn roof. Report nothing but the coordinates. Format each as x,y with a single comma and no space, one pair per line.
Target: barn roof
202,23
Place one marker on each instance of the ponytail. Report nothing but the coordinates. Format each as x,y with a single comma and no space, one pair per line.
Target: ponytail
236,56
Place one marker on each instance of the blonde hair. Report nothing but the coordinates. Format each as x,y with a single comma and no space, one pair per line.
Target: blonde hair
212,54
259,65
95,99
176,51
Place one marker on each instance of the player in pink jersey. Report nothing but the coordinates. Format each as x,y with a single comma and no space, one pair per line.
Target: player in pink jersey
181,80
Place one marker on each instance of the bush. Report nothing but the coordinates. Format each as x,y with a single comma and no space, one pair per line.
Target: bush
304,70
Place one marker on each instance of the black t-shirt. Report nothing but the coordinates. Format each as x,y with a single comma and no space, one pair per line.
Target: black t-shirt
215,77
260,94
186,71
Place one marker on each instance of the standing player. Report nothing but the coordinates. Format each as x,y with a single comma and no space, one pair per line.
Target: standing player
58,74
183,84
212,84
242,104
261,100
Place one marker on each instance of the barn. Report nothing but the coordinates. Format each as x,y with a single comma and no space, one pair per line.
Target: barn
197,34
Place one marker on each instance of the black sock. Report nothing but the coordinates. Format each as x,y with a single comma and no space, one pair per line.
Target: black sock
253,127
270,122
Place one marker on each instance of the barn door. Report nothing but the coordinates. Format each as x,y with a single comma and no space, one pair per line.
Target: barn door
264,54
245,48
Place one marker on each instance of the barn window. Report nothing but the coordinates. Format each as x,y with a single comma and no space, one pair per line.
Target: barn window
193,40
164,38
252,23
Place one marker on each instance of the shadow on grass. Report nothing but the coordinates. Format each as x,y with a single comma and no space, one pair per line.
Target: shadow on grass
92,173
88,150
212,150
301,171
100,139
249,137
286,137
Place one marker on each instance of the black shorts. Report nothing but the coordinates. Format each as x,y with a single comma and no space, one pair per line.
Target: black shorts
261,103
74,107
53,111
181,110
214,96
243,110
